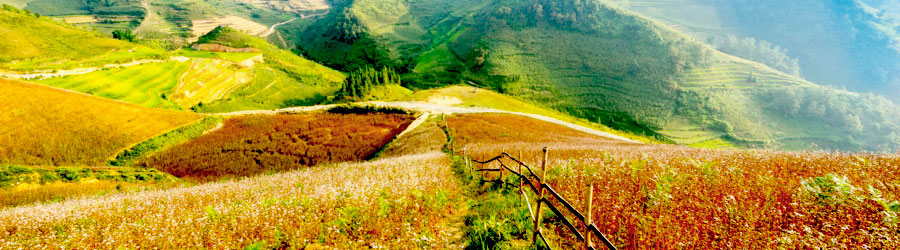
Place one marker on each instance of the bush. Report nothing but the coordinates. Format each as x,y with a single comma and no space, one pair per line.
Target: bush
125,35
368,109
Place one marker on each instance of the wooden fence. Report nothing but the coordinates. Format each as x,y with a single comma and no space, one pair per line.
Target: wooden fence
536,184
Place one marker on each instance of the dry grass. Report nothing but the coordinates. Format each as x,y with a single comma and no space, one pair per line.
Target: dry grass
201,27
251,145
47,126
62,190
661,196
394,203
427,137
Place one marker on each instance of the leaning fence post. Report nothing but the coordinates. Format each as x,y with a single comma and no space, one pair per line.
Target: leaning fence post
587,219
537,214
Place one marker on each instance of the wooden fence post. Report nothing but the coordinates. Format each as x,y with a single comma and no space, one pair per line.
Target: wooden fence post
519,164
587,219
466,158
500,164
537,214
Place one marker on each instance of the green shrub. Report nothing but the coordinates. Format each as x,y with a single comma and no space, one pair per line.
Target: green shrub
357,109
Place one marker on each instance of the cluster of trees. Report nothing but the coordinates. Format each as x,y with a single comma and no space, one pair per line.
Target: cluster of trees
760,51
360,82
125,35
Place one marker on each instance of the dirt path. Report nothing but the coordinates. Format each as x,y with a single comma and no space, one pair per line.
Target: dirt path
75,71
302,16
272,29
148,16
437,109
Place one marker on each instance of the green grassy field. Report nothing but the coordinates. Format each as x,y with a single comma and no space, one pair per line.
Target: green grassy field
143,84
24,36
270,89
110,57
737,75
230,56
684,131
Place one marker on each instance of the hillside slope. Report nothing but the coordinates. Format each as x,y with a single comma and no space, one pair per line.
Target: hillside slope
264,78
861,39
25,36
601,63
47,126
284,80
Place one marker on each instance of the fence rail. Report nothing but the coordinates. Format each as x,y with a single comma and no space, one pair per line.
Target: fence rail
529,179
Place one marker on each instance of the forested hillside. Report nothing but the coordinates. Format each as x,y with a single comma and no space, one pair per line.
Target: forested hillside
603,63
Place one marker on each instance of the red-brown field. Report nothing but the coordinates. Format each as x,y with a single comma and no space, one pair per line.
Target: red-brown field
250,145
45,126
662,196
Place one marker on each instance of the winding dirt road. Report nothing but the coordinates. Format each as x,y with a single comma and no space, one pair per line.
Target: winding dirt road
431,108
272,29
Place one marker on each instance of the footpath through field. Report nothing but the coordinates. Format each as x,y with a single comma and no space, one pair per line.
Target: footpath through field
437,109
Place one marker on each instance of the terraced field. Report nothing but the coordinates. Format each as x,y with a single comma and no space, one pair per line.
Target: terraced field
203,26
683,131
230,56
270,89
736,75
144,85
171,85
48,126
205,81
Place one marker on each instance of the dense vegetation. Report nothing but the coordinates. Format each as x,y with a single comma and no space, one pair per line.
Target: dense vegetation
601,63
661,196
251,145
46,126
362,82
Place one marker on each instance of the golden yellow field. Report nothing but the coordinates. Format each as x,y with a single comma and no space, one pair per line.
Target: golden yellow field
48,126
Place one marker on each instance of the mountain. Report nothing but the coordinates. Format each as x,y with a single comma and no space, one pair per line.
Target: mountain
844,43
604,63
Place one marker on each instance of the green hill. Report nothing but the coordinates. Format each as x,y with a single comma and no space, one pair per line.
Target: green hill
602,63
24,36
284,80
184,79
160,23
860,38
